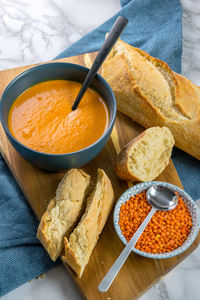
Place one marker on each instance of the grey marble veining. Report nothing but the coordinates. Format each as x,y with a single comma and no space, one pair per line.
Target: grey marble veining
30,33
191,40
36,31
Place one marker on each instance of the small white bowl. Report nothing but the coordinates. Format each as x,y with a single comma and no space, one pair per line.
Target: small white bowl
194,211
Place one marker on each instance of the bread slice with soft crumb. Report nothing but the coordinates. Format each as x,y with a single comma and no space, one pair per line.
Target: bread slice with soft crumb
63,211
83,239
146,156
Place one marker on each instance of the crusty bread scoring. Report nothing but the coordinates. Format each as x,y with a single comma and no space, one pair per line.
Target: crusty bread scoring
63,211
146,156
83,239
149,92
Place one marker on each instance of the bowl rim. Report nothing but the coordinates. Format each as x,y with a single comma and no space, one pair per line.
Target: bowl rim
141,187
75,66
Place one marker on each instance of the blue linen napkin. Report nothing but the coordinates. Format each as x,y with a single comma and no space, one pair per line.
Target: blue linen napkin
22,257
154,26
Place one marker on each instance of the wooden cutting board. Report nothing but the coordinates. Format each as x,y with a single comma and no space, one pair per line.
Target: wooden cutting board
138,273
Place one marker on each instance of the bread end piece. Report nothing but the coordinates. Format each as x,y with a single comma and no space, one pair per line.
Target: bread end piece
63,211
79,246
146,156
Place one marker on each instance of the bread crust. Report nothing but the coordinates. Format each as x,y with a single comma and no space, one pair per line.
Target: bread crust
63,211
79,246
121,164
41,232
136,78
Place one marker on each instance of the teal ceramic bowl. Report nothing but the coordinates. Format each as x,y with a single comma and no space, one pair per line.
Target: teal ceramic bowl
194,211
52,71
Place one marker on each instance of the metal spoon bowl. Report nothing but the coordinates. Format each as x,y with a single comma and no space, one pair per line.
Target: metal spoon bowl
161,197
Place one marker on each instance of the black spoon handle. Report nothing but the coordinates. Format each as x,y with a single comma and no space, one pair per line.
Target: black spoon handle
114,34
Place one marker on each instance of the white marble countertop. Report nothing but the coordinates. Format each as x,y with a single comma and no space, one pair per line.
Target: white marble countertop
36,31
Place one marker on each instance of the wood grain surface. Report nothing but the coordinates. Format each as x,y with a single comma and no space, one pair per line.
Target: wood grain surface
138,273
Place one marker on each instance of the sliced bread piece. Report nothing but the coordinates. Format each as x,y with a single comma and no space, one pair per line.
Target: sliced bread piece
146,156
83,239
62,212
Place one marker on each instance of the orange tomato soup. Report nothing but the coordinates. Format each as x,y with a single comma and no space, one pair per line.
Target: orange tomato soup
42,119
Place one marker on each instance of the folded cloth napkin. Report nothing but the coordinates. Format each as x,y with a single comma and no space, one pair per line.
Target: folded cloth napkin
154,26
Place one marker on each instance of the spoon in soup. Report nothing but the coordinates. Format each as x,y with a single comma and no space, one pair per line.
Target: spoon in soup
160,198
111,39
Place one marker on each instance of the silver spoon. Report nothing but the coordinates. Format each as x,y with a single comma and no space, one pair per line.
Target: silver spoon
111,39
160,198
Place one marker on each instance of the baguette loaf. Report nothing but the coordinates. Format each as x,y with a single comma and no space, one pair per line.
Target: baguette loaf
63,211
149,92
83,239
146,156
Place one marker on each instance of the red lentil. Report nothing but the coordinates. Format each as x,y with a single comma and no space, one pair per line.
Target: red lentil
166,231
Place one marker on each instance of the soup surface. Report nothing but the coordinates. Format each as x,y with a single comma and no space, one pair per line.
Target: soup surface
42,119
